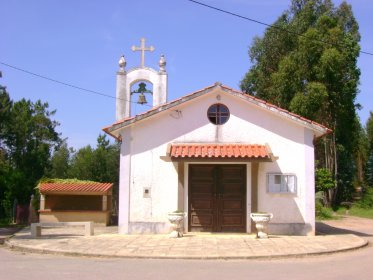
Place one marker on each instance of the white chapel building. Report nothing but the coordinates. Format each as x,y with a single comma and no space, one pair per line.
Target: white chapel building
217,154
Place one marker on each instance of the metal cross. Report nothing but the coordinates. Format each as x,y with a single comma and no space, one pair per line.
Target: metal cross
142,48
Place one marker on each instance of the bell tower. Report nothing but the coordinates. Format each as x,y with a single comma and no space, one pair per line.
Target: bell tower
141,74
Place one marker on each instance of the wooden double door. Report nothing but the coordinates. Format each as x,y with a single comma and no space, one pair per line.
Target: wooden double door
217,198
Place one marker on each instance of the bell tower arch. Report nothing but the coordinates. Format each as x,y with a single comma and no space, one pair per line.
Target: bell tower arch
126,79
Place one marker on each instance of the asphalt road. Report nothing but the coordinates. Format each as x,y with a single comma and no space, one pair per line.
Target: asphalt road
349,265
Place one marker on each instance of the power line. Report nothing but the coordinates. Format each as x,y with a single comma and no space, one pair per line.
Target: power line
268,25
67,84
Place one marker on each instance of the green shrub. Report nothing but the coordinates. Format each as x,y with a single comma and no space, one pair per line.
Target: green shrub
324,179
367,200
323,213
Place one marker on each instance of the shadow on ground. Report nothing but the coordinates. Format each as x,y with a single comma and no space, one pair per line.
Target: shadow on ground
324,229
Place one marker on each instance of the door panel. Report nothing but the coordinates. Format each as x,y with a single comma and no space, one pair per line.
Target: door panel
217,198
232,194
201,198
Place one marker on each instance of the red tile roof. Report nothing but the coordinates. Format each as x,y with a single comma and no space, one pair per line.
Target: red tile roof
219,151
75,187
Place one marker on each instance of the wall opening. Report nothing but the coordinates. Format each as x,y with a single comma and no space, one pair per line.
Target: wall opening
141,97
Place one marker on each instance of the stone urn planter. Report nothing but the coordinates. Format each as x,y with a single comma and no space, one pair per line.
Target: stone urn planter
176,219
261,221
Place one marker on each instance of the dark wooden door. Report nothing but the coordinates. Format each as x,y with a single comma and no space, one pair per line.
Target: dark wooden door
217,198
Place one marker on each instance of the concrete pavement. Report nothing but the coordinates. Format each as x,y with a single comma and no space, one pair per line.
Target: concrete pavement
7,232
107,243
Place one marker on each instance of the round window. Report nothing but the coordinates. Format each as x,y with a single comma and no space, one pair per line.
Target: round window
218,114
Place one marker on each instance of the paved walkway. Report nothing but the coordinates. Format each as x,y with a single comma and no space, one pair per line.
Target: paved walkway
107,243
7,232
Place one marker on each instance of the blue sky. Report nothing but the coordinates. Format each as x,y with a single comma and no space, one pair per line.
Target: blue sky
80,42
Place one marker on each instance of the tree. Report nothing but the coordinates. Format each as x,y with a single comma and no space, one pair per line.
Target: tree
106,159
100,164
369,129
28,137
315,75
81,164
60,161
324,182
369,170
369,164
5,106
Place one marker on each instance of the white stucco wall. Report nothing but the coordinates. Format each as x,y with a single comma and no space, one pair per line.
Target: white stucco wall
146,141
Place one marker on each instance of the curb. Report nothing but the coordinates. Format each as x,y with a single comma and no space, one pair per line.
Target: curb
19,248
5,238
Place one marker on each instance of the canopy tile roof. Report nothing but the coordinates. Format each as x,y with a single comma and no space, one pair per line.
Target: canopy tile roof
91,187
211,150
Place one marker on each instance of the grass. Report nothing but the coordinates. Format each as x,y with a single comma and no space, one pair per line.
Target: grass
6,223
357,211
324,213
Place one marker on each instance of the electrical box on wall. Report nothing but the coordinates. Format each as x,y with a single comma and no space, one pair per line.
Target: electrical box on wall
146,193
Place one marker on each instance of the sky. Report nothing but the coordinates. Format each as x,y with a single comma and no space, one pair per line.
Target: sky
80,43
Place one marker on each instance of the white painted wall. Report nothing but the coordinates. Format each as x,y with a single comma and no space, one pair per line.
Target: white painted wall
146,141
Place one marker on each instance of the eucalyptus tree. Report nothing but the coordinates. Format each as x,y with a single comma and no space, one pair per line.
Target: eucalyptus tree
369,165
306,62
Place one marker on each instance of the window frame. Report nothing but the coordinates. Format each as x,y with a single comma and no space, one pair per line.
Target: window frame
219,115
288,190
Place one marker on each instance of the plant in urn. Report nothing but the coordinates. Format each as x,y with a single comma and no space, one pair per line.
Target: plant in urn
176,218
261,222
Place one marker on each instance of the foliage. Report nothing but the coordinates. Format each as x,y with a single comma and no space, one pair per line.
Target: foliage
369,170
5,106
30,138
27,138
99,165
357,211
367,200
314,75
60,161
324,179
369,163
324,183
361,156
31,149
361,212
369,129
322,212
63,181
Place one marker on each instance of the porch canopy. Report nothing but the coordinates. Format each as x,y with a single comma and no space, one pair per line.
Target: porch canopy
72,200
223,152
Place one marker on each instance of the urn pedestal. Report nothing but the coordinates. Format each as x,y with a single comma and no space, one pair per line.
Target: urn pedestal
261,221
176,220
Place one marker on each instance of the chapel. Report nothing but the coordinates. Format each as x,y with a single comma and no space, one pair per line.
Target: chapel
216,154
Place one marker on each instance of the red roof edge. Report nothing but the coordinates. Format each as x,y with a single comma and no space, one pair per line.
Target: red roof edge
219,150
187,97
106,130
75,187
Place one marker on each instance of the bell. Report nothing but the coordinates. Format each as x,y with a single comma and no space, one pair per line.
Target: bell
142,99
